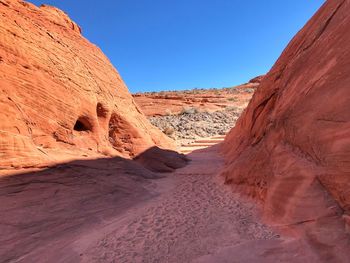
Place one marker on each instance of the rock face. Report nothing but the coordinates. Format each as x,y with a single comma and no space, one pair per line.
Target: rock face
257,79
175,102
198,113
61,98
291,147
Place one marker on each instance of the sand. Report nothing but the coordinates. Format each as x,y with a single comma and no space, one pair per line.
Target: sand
194,215
189,215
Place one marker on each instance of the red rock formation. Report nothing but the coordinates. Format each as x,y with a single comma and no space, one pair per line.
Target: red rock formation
161,161
291,147
61,98
174,102
257,79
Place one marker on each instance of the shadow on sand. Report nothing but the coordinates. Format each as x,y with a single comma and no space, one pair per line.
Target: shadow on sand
40,209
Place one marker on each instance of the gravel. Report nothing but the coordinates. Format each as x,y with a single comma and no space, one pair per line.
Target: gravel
191,125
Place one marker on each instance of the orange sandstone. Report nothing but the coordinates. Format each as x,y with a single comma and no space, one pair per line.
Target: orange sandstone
61,98
291,147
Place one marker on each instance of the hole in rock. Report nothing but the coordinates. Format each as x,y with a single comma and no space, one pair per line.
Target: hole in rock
82,124
101,111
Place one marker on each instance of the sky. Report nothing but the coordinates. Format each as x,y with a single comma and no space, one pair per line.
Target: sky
182,44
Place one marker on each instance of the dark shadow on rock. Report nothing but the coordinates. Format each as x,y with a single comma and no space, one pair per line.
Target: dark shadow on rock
161,161
43,211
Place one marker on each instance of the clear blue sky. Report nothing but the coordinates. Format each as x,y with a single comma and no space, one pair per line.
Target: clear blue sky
180,44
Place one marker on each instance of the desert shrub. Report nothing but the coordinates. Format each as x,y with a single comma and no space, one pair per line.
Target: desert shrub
205,111
234,99
188,110
249,90
168,112
169,130
231,108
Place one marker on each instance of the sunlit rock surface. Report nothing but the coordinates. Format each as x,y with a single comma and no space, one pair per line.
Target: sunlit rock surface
61,98
291,147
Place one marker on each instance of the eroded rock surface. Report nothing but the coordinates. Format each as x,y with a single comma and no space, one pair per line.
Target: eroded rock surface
63,105
166,103
61,99
291,146
187,127
198,113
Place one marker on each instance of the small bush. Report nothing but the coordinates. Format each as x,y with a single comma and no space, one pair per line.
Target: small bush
188,110
249,90
231,108
234,99
217,92
169,130
168,112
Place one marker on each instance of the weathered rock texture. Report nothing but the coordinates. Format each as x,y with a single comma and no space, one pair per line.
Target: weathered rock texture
187,127
257,79
175,102
291,147
61,98
198,113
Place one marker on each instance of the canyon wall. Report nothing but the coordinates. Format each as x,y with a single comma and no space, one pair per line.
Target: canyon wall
61,98
291,146
166,103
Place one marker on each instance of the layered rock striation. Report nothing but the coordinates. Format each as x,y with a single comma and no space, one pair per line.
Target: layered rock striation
166,103
291,147
61,98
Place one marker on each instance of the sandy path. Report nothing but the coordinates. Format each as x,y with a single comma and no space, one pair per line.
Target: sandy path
108,211
194,216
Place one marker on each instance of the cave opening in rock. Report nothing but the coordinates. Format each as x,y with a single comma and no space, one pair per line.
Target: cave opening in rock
82,124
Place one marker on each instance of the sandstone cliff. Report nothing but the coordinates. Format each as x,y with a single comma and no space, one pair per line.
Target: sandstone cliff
209,100
291,147
187,115
61,98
